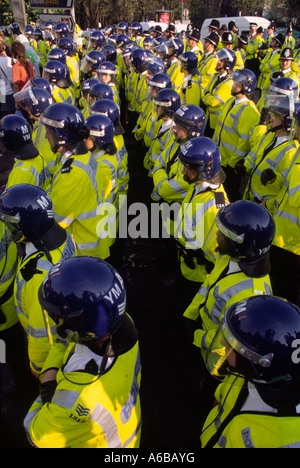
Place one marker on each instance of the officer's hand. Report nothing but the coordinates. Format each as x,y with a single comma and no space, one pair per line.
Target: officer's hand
267,176
240,168
48,385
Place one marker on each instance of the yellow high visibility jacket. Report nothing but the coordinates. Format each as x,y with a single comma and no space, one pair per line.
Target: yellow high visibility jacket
158,143
30,171
130,84
42,48
30,275
109,167
175,74
241,419
253,45
64,95
233,131
190,92
268,65
122,156
279,159
207,69
225,285
40,141
215,96
286,210
193,228
75,73
139,91
77,194
89,410
8,264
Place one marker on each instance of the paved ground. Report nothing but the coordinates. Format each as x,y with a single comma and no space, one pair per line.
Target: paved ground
172,406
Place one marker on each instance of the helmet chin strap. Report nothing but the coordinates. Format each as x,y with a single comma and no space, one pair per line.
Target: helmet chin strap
275,129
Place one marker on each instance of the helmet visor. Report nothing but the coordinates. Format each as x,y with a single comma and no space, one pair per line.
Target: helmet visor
87,65
12,233
225,352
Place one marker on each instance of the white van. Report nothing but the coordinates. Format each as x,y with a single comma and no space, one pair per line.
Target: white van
242,23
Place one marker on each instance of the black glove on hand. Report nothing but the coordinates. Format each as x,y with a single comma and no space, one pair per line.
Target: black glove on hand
268,175
47,390
240,168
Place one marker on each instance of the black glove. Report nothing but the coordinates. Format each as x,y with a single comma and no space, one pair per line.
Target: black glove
240,168
268,175
264,116
47,390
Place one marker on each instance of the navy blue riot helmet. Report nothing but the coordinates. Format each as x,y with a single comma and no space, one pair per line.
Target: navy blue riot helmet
168,100
60,30
155,66
228,57
285,86
56,72
160,81
65,125
85,295
57,54
111,110
248,228
87,86
110,53
97,39
41,83
139,60
189,61
67,45
34,101
91,62
101,91
263,332
15,133
247,79
101,131
192,118
204,155
27,211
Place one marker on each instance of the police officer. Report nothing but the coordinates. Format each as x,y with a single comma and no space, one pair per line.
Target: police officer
33,101
208,62
72,62
94,400
242,266
58,76
260,393
270,63
232,133
28,213
30,166
169,184
11,331
218,90
285,253
166,102
110,109
190,92
76,189
269,162
201,160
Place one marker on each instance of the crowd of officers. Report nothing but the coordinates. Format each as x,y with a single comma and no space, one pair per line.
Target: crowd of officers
217,124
